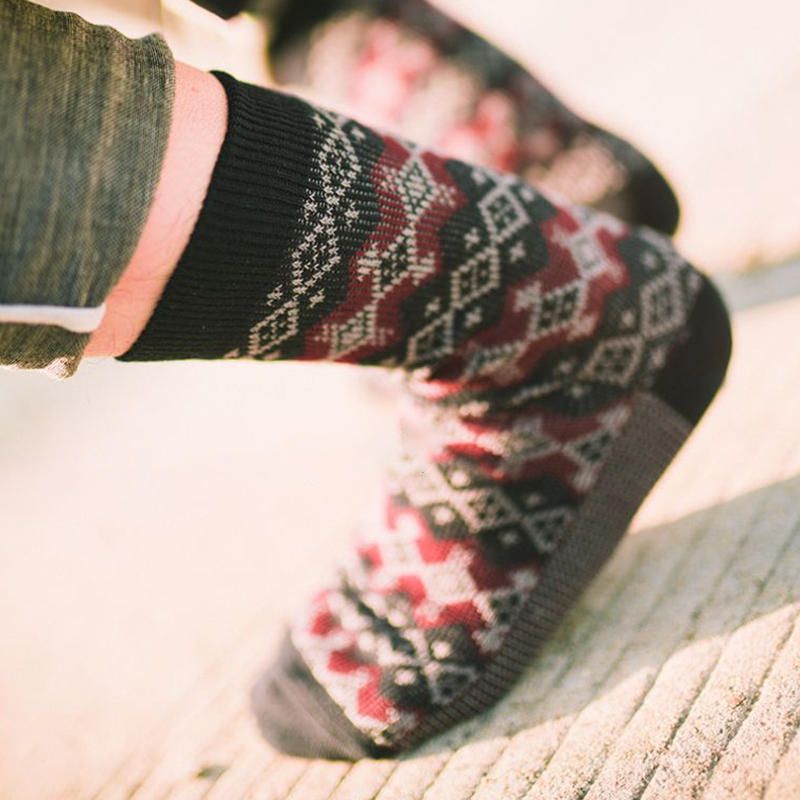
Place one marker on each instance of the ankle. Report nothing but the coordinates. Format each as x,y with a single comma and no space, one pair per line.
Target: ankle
198,128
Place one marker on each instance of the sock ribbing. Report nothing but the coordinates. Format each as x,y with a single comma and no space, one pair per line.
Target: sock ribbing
244,230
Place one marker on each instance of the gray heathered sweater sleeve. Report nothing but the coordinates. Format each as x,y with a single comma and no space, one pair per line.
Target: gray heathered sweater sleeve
84,120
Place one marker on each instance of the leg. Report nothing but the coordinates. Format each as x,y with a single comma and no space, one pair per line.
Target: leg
199,120
556,358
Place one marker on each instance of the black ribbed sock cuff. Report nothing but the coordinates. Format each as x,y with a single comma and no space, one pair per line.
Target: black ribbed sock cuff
242,236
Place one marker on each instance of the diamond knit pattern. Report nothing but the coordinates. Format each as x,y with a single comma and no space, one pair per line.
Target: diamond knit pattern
528,327
524,328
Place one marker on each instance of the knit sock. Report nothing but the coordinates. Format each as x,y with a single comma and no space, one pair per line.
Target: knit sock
405,66
555,360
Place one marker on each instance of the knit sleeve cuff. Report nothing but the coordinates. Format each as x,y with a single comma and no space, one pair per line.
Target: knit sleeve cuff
88,122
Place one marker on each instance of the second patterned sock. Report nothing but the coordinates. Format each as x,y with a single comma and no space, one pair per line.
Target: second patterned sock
406,66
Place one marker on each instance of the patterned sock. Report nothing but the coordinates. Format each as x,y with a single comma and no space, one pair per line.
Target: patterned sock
555,360
405,66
